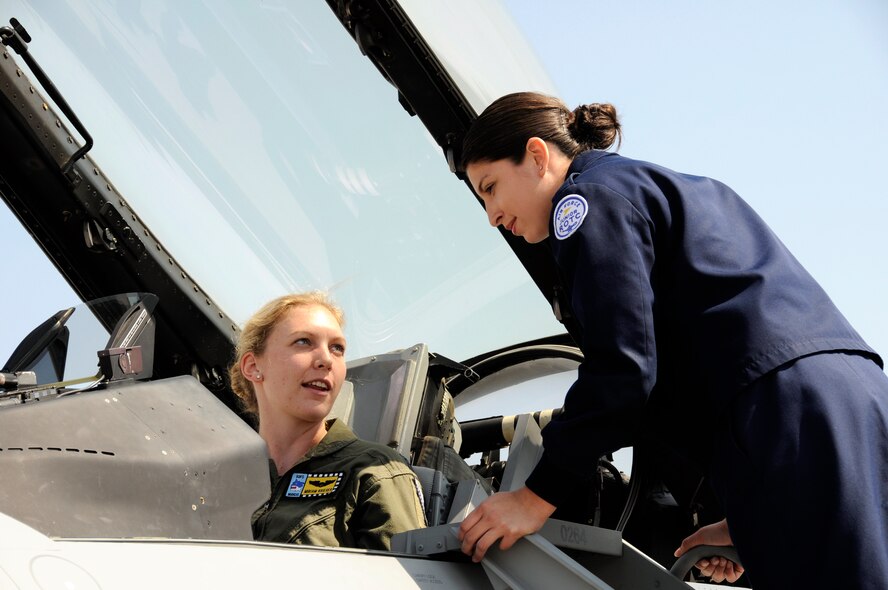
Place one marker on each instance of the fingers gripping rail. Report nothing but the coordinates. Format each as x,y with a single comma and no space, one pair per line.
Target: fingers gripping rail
683,565
562,554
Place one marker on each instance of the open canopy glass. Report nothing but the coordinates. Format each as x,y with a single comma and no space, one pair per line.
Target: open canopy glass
268,155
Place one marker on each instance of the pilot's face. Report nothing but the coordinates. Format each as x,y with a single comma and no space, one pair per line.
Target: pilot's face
303,365
515,196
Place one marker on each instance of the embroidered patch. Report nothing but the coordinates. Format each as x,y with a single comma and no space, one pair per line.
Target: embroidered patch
569,215
303,485
297,482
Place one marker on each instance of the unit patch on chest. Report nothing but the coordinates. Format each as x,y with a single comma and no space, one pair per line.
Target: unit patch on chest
311,485
569,215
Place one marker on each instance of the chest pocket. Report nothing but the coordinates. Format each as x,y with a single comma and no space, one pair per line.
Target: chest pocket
314,524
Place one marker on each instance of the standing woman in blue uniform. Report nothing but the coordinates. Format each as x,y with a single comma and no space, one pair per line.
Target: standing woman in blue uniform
692,312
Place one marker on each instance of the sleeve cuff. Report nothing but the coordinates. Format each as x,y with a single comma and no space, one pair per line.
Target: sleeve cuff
551,483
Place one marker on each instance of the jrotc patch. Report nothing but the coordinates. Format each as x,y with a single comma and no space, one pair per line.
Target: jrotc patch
304,485
569,215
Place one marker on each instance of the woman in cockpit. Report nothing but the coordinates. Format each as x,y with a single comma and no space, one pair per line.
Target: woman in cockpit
327,486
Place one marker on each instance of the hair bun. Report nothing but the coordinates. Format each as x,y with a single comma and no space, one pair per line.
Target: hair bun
595,125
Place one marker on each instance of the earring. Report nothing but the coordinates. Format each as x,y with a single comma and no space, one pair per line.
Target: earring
258,375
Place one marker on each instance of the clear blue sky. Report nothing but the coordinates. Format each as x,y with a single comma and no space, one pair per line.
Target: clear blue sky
783,101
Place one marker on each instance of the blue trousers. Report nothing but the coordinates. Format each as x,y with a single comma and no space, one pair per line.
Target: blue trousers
801,466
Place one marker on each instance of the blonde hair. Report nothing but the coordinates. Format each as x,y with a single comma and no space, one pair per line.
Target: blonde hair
254,337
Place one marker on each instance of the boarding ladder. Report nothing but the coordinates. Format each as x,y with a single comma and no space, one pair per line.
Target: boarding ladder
563,555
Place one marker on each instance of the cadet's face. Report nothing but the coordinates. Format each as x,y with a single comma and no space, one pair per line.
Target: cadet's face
303,365
516,196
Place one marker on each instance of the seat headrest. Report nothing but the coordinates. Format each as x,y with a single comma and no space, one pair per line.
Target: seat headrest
344,406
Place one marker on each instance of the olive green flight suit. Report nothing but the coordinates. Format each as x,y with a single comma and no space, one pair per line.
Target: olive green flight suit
345,492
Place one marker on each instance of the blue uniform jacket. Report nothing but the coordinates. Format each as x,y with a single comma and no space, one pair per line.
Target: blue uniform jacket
683,295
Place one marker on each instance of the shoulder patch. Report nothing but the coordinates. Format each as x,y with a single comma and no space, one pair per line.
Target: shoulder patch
304,485
569,215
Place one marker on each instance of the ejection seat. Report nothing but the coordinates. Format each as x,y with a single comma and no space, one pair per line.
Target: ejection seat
399,399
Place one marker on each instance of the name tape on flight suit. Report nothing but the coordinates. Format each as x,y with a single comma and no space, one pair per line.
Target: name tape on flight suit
569,215
305,485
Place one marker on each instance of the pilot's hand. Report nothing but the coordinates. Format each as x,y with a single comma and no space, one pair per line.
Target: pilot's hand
718,569
505,515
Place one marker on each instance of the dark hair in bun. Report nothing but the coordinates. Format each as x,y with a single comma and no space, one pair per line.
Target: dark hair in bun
502,130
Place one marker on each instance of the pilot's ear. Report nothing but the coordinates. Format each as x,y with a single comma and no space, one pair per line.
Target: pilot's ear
538,149
249,369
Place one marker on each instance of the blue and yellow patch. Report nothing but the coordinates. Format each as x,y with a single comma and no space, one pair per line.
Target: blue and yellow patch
305,485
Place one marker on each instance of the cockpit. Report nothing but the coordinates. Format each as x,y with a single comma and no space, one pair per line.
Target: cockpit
119,420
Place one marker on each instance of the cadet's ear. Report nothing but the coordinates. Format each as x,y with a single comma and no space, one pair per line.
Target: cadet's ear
539,151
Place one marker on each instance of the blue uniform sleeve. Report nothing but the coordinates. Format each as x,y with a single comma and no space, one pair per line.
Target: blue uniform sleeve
607,265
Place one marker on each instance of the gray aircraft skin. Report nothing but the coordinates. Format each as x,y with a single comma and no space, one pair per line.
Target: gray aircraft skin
131,465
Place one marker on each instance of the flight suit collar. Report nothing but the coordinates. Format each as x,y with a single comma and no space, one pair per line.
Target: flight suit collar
338,436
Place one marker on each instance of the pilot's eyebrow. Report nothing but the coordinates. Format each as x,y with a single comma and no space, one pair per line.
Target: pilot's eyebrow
302,332
315,334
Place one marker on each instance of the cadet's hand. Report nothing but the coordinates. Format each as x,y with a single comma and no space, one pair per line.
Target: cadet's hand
504,515
718,569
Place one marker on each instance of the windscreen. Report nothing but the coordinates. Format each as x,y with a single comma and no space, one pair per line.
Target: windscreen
270,156
63,349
